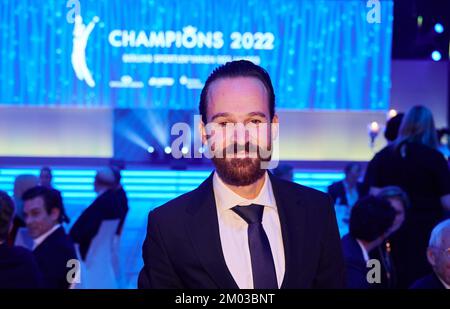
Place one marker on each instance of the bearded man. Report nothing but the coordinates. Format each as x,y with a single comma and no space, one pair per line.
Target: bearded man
242,227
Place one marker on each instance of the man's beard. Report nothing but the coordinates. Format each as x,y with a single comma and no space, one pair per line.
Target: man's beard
240,171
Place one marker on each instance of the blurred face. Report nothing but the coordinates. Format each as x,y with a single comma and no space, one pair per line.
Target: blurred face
37,219
239,130
45,178
399,208
354,174
439,259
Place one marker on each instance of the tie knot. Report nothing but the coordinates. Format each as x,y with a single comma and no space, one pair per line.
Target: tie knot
252,213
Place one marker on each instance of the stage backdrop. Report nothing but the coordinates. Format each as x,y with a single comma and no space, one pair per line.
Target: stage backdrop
157,54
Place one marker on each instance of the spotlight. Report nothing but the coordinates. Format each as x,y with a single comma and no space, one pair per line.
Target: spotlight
151,149
167,149
184,150
391,113
436,55
201,149
438,28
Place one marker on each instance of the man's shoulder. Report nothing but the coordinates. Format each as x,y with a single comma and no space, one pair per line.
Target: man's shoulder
336,185
177,207
292,190
58,243
428,282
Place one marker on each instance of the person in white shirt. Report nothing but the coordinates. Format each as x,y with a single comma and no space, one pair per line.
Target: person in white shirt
242,227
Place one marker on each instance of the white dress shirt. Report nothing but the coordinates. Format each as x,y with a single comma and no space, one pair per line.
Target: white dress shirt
40,239
233,231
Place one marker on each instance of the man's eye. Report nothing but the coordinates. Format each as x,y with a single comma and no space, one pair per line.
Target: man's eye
256,121
223,123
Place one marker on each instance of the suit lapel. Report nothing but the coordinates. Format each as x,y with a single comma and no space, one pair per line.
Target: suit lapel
292,216
203,229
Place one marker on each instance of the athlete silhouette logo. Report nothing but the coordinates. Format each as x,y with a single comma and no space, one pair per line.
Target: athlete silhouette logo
81,34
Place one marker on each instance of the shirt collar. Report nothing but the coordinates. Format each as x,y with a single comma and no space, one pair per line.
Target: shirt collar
443,283
227,199
364,251
40,239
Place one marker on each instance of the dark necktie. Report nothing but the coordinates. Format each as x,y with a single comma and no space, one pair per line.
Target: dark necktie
263,268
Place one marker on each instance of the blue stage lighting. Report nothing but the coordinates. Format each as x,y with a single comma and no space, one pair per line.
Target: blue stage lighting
167,149
439,28
151,149
436,55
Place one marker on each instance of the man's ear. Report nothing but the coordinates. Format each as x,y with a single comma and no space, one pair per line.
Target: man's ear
275,128
202,130
55,213
431,256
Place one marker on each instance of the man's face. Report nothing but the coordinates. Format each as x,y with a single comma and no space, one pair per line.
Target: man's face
45,178
37,219
354,174
238,112
439,259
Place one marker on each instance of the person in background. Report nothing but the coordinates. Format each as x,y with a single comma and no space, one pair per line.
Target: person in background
414,164
44,214
18,267
392,128
284,171
443,142
45,177
392,249
121,197
107,206
21,184
371,221
347,191
438,254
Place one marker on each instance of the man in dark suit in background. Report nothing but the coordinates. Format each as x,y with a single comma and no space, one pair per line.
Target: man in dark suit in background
371,221
242,227
349,190
44,214
18,267
107,206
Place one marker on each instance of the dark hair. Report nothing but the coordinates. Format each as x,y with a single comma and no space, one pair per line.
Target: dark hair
239,68
371,217
394,192
6,214
117,175
350,165
52,199
46,169
392,127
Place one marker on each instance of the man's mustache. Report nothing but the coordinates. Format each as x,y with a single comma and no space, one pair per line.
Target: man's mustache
235,148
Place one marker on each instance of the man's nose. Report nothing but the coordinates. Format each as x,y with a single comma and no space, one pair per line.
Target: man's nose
240,134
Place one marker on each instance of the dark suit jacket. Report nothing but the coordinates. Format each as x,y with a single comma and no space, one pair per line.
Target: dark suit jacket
356,269
107,206
337,191
18,269
183,248
52,256
430,282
